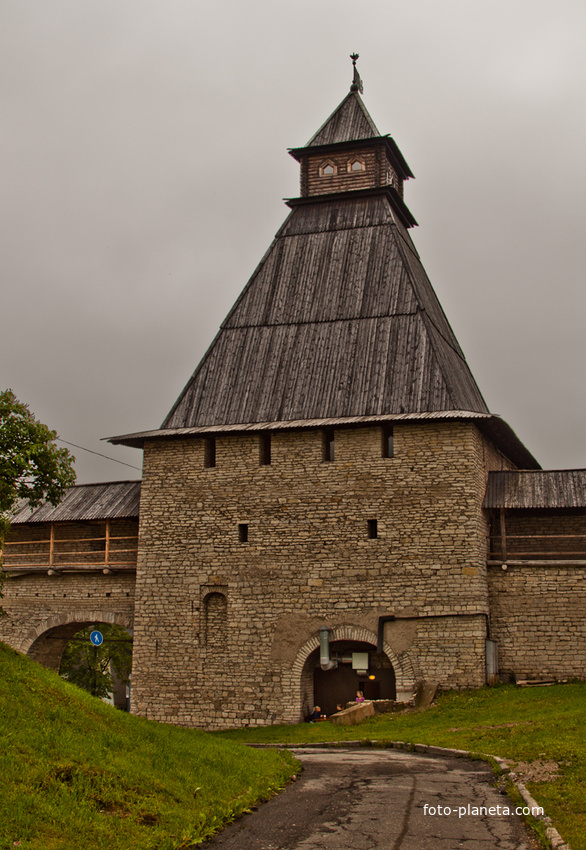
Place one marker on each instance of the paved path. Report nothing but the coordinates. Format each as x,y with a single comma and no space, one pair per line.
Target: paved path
363,799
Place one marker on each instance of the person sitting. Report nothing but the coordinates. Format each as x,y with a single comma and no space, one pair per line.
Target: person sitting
359,696
315,714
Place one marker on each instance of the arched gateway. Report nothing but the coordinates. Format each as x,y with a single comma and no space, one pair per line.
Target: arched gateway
394,675
46,642
358,668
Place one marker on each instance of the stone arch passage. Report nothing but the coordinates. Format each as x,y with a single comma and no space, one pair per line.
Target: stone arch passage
300,680
339,686
45,643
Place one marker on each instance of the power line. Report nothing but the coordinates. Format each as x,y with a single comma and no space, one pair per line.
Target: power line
99,454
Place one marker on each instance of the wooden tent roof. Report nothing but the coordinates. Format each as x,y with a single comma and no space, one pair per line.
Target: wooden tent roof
339,319
111,500
339,322
557,488
349,121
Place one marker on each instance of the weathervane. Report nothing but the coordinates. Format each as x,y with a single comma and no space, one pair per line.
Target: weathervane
356,81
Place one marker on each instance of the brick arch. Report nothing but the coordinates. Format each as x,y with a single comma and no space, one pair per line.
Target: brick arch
404,666
46,641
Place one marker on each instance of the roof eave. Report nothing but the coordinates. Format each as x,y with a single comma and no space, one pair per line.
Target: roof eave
505,439
404,213
495,428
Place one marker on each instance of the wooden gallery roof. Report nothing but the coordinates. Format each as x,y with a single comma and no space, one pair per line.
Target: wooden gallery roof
84,502
551,488
339,320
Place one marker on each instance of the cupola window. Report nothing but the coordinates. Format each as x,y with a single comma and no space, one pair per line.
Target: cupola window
356,165
328,169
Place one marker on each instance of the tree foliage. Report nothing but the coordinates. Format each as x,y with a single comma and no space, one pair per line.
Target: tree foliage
90,667
32,467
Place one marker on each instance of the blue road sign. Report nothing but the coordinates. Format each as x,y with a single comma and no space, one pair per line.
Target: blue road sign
97,638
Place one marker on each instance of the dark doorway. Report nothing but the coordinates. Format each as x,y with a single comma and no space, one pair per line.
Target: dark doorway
339,686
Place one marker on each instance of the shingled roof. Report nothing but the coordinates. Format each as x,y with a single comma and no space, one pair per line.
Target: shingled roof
339,323
551,488
348,122
339,319
83,502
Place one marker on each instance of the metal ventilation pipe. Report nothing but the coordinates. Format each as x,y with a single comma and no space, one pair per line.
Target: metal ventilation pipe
325,662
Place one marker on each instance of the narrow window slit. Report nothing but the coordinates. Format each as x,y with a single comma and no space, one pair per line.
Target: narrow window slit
328,444
372,529
265,449
243,532
209,458
388,445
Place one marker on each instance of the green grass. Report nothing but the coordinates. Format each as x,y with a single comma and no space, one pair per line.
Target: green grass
78,774
520,724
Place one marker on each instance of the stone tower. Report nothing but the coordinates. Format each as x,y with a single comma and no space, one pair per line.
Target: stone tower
311,513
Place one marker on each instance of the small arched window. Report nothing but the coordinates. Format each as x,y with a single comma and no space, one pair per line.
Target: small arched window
356,165
328,169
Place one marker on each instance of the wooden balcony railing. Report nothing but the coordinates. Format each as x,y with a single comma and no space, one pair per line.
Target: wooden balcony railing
506,546
57,554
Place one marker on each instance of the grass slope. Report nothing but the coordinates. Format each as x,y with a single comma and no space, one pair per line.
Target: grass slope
524,725
78,774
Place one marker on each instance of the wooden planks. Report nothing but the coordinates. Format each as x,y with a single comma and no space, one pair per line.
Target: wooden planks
561,488
349,121
111,500
339,319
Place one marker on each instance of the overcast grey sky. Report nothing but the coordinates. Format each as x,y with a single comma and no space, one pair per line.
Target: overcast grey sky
143,158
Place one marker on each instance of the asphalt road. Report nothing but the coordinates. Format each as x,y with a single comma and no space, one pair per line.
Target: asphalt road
362,799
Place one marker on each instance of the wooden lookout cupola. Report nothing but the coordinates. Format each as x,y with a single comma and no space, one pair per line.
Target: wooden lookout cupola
348,154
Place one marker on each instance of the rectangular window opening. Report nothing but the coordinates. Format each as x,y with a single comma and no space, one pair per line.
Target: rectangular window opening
388,446
372,529
265,449
328,444
209,457
243,532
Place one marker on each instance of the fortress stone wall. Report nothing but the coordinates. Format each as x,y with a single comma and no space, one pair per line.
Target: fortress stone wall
219,623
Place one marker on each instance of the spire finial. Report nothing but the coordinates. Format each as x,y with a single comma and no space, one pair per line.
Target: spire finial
356,81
